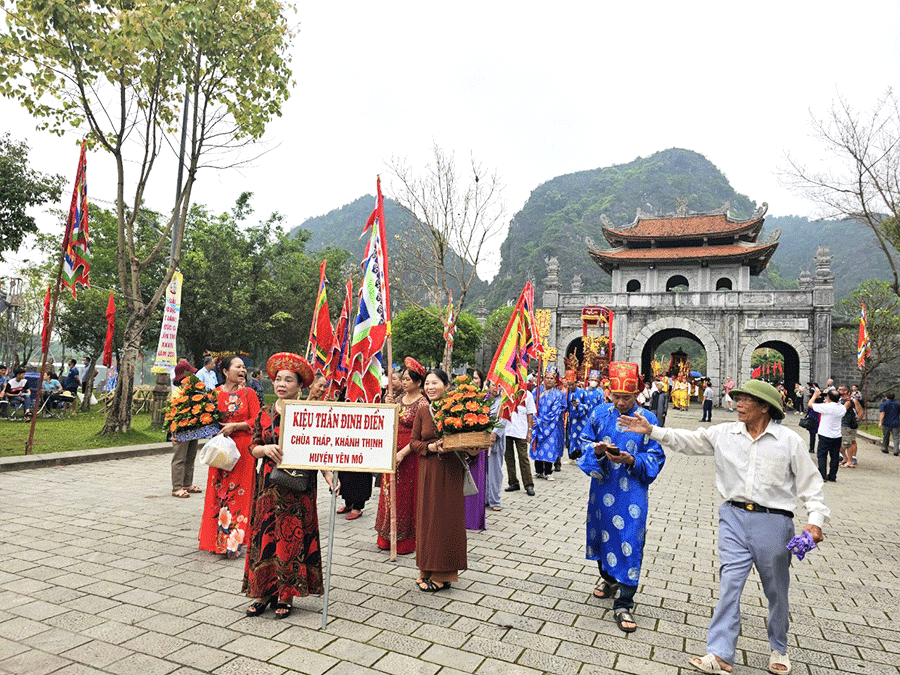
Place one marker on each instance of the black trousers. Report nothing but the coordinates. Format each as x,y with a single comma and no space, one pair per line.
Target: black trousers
625,599
829,449
813,432
707,411
543,468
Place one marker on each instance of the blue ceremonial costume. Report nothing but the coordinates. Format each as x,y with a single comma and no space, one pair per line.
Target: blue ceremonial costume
547,436
581,404
617,507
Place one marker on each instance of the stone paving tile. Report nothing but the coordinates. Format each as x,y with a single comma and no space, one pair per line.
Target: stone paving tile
136,588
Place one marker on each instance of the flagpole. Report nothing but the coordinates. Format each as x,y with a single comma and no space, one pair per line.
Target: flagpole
29,444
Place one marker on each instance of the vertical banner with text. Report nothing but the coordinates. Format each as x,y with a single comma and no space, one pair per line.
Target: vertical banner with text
166,354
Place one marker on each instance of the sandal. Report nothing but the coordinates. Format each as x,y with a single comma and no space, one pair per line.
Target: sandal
258,607
496,508
181,493
428,586
606,590
708,664
776,659
343,509
193,489
283,610
623,616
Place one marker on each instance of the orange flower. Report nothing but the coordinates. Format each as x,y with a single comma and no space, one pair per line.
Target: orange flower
473,406
198,397
210,407
196,409
184,423
439,425
471,419
173,426
483,419
457,408
453,422
180,399
206,418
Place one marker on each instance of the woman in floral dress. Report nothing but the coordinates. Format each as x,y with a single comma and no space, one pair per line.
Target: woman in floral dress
407,467
229,494
284,558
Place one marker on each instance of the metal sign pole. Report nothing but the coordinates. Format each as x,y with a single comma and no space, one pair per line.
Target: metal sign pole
328,558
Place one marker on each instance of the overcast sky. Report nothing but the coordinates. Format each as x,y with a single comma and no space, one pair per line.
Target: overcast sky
536,94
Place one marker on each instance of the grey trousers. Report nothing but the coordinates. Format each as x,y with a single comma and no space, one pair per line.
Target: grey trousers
886,434
183,464
495,471
746,539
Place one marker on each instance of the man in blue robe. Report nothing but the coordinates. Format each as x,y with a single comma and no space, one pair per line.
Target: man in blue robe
547,440
581,404
621,465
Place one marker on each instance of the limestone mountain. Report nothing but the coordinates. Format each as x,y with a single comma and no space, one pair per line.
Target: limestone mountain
341,228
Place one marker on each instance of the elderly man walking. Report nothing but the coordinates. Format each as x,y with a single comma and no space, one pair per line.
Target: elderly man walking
622,465
762,468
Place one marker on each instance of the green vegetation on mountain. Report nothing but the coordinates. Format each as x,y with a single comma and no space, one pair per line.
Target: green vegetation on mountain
341,229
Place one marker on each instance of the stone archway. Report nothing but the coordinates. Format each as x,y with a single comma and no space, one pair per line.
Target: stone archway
695,329
782,342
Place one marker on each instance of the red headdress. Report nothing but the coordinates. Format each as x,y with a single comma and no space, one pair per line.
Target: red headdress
415,366
182,368
624,378
292,362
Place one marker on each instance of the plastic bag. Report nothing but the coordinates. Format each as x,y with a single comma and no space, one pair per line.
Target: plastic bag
220,452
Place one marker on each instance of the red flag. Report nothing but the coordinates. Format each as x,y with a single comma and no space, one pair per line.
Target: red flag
338,364
110,330
378,217
321,336
863,343
45,331
756,372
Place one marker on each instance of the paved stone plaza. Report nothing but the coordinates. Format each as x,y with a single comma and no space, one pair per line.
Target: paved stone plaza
99,573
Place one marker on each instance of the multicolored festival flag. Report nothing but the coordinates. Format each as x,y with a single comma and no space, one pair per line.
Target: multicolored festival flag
520,344
449,322
863,345
373,321
338,364
376,222
110,330
76,243
321,336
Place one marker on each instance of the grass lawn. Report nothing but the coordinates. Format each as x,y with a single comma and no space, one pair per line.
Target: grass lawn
79,432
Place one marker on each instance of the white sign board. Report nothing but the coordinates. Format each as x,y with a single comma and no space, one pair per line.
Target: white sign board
339,436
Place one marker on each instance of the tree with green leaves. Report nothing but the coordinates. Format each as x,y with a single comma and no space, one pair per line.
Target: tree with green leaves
883,322
21,188
419,333
251,288
133,77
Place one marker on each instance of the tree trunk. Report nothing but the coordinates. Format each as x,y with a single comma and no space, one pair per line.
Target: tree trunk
118,418
447,361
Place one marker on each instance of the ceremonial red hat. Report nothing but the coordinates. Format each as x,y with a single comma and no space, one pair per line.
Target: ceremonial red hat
624,378
415,366
292,362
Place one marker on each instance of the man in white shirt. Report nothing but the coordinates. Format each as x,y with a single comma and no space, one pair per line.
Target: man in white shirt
207,373
829,445
518,438
762,468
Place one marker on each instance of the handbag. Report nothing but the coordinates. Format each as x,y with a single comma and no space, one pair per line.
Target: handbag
469,487
805,422
296,480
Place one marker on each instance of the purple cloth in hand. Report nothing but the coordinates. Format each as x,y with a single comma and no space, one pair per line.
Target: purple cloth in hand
801,545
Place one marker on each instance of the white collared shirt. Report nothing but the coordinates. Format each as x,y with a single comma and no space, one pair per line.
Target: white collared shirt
208,378
517,427
773,471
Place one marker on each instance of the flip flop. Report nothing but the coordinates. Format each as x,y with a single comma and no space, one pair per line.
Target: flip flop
430,586
606,590
707,664
622,617
776,659
181,493
194,490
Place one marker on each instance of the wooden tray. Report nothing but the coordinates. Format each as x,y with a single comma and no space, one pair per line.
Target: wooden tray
468,439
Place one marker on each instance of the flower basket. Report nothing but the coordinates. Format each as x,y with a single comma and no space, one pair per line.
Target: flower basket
206,431
468,439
